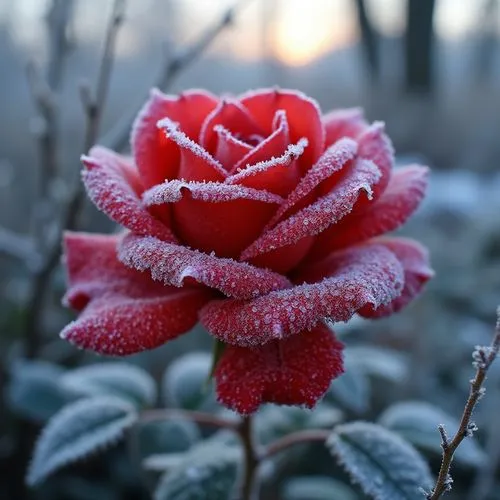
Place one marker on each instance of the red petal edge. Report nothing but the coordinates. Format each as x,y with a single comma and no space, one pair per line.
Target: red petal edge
368,274
173,264
122,310
294,371
415,261
113,185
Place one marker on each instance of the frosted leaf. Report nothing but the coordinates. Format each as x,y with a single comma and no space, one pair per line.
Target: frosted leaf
122,380
317,488
124,311
384,465
333,160
402,197
417,422
370,274
114,186
321,214
77,431
294,371
173,264
196,163
211,192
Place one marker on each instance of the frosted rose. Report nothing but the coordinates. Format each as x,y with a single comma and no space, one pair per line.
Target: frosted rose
258,217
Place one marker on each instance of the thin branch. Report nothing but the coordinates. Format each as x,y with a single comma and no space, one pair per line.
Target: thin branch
483,358
42,278
300,437
161,414
252,460
171,68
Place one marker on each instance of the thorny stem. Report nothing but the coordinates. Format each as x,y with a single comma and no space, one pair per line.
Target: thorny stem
483,358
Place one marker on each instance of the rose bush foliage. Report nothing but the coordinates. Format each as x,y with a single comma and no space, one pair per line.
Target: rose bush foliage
258,217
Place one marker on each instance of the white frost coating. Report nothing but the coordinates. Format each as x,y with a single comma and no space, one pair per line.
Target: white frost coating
333,160
323,213
292,152
212,192
173,132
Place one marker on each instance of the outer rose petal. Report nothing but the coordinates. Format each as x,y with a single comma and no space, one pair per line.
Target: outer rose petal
216,217
174,265
415,260
402,197
303,114
156,157
294,371
123,310
114,186
323,213
369,274
340,123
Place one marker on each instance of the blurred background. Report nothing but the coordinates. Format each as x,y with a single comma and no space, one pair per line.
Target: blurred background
429,68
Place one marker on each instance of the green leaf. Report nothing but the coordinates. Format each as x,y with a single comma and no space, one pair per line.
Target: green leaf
317,488
184,382
352,389
208,472
417,422
387,364
381,462
167,436
122,380
34,391
77,431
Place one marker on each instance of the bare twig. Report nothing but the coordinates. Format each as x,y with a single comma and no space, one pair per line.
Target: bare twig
42,277
483,358
171,68
300,437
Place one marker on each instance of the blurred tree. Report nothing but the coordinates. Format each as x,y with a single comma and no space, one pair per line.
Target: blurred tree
369,40
419,46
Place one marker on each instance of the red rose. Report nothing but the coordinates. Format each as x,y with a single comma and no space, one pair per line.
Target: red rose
258,217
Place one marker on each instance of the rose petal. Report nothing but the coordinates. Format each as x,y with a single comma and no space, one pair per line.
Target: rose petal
415,261
369,274
231,115
123,310
195,164
333,160
303,114
230,150
343,123
277,175
216,217
294,371
375,145
114,186
324,212
176,265
157,158
402,197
